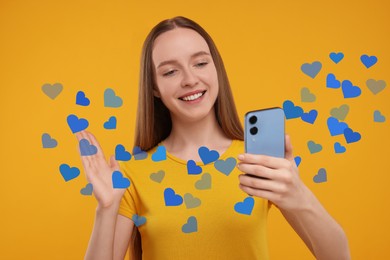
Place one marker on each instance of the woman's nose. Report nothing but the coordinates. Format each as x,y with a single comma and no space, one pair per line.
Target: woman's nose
189,78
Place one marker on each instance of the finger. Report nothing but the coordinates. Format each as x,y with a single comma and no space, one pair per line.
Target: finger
265,194
288,148
257,170
114,163
258,183
264,160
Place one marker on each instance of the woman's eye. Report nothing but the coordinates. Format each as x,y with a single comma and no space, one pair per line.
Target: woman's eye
169,73
201,64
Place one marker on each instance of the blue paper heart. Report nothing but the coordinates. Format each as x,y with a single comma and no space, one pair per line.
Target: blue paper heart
310,117
172,199
121,154
225,166
138,220
192,168
298,160
110,124
76,124
87,190
118,181
321,176
314,147
81,99
191,225
69,173
291,111
48,142
338,148
207,156
311,69
368,61
332,82
335,127
87,149
378,117
160,154
139,154
245,207
336,57
111,100
349,90
351,136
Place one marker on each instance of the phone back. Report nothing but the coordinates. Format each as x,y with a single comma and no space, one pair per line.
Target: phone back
264,132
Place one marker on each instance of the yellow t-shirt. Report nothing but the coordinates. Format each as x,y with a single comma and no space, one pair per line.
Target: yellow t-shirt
194,212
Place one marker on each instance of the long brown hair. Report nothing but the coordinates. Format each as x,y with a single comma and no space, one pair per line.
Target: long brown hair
153,123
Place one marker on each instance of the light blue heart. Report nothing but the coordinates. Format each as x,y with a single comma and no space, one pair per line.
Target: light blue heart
321,176
87,149
378,117
191,225
139,154
225,166
160,154
87,190
313,147
311,69
138,220
111,100
48,142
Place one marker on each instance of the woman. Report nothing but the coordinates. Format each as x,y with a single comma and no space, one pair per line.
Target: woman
185,198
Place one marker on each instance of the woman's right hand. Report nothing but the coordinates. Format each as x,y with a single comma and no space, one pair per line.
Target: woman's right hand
99,173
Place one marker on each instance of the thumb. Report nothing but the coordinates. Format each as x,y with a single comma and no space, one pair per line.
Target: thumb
288,148
114,163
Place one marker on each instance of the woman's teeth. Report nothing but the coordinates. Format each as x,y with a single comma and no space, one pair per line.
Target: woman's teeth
193,97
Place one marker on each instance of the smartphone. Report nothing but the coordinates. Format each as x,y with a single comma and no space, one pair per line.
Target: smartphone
264,132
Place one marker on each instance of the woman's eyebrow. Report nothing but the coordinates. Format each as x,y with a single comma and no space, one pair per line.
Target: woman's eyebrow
199,53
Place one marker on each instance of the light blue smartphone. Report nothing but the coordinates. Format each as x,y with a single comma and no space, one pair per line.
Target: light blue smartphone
264,132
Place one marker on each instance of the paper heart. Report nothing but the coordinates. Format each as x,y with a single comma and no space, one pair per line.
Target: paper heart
76,124
87,149
204,183
192,168
48,142
69,173
310,117
121,154
297,160
307,96
336,57
81,99
376,86
332,82
110,124
52,91
87,190
157,176
335,127
225,166
340,113
160,154
351,136
321,176
118,181
171,198
349,90
368,61
311,69
338,148
291,111
207,156
139,154
191,225
314,147
111,100
138,220
245,207
378,117
190,201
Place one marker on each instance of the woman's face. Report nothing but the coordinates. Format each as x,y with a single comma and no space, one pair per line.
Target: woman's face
185,74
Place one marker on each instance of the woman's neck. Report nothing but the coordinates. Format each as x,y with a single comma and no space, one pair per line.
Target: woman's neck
186,138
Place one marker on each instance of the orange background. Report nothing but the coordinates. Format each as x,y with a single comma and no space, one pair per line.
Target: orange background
95,45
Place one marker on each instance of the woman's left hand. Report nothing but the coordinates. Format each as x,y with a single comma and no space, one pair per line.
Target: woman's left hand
278,180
